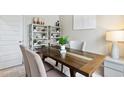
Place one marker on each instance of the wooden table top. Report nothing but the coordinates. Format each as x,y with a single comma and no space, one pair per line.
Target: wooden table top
83,62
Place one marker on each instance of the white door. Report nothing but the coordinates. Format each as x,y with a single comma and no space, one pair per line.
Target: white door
11,34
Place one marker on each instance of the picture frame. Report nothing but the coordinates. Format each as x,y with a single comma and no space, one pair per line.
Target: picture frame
84,22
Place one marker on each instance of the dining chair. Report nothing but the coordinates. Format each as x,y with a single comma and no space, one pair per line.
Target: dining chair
37,67
26,63
48,67
78,45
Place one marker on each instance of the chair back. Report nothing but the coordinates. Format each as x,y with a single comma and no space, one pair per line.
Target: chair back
26,63
77,45
36,64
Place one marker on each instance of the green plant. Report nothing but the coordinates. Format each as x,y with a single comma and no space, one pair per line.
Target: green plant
63,40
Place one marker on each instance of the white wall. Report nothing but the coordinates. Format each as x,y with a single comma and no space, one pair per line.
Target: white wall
48,19
94,38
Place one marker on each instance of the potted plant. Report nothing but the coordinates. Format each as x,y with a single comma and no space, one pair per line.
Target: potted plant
62,41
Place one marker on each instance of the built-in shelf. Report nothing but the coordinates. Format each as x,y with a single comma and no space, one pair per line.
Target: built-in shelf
41,38
39,25
55,32
55,37
55,26
39,45
39,32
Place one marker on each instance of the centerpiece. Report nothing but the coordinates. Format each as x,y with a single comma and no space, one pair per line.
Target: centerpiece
62,41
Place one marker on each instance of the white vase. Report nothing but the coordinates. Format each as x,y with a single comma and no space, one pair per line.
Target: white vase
35,20
63,55
62,50
63,47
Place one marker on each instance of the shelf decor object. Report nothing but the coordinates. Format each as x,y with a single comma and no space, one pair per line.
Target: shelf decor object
37,20
115,37
84,22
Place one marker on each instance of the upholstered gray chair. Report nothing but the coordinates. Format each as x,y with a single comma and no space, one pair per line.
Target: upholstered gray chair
78,45
26,64
48,67
37,68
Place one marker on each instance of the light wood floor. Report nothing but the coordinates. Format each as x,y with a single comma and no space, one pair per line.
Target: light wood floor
17,71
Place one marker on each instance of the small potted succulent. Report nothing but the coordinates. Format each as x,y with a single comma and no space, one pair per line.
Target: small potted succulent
62,41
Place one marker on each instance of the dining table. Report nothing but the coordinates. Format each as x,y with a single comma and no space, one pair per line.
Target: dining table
86,63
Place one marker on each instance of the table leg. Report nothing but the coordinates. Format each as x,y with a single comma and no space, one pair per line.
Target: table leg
43,58
61,66
72,73
56,63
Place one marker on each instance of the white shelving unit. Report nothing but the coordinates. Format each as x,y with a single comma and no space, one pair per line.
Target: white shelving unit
54,33
40,35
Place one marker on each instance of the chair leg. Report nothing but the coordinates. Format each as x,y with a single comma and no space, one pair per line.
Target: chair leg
26,75
43,58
